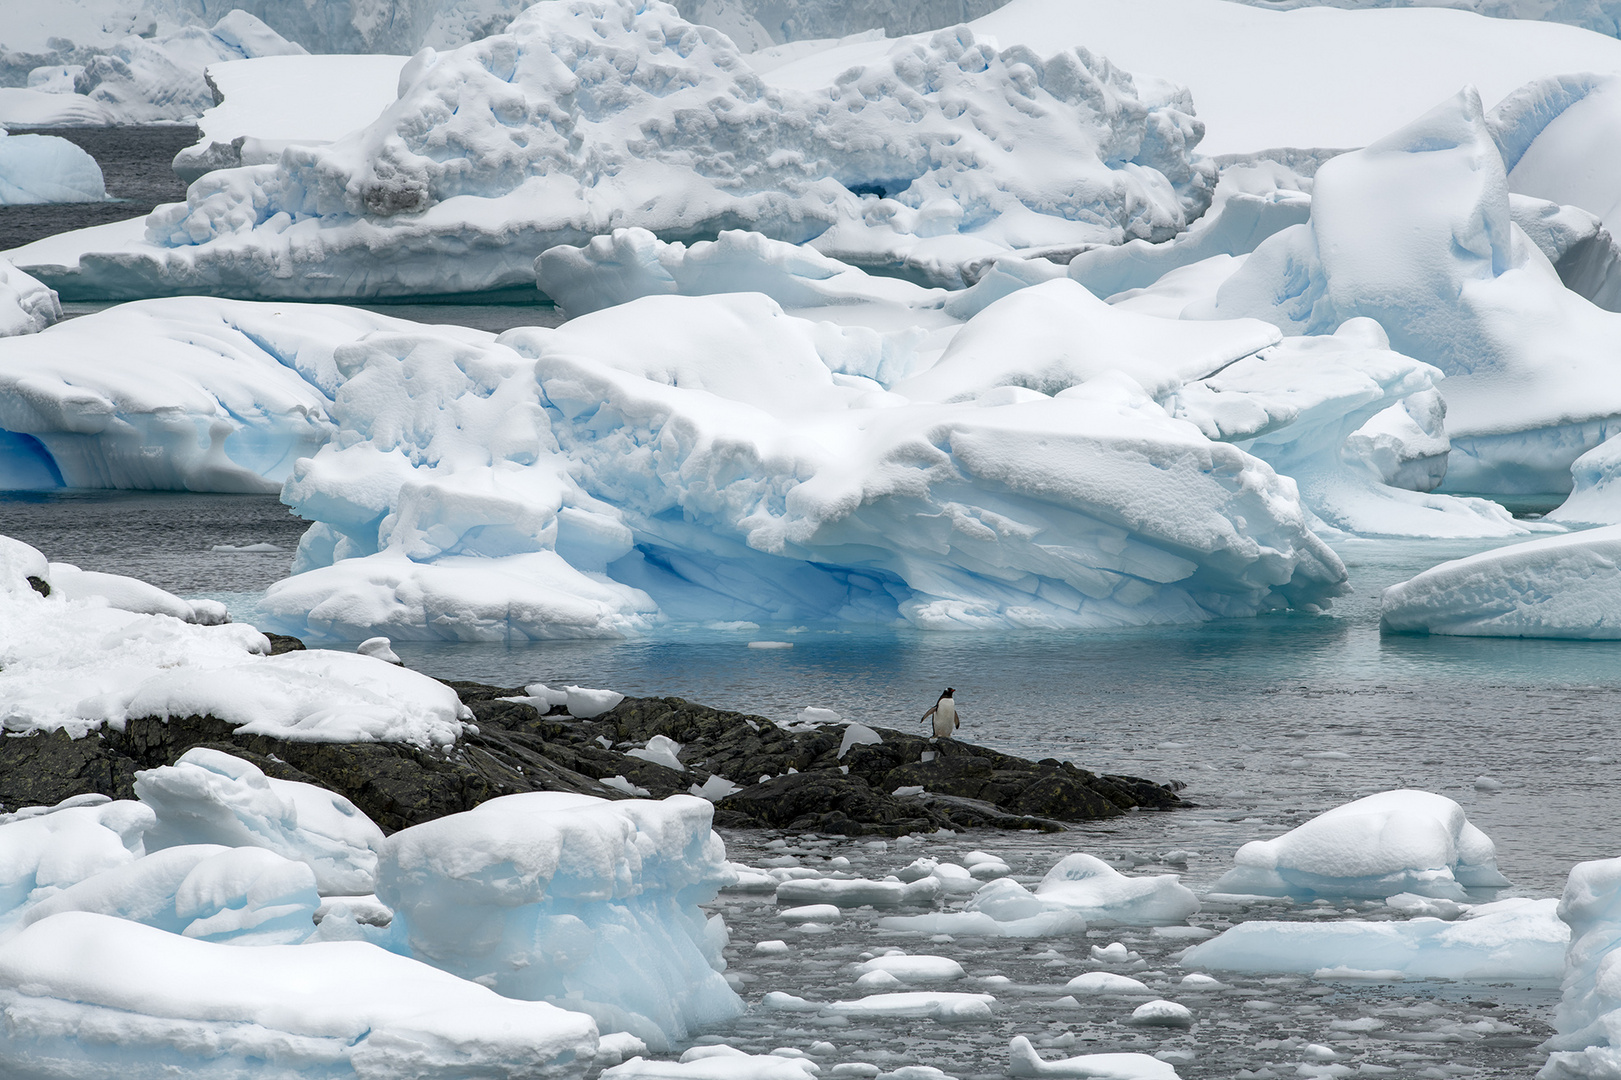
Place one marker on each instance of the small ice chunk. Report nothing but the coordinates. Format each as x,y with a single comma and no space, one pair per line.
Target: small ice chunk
811,714
774,947
1161,1013
1105,982
948,1006
1487,784
1100,893
619,783
916,969
715,1066
660,750
380,648
617,1046
716,788
858,735
908,790
811,913
1027,1063
1198,980
874,981
917,869
545,695
771,644
1415,905
860,892
587,704
1113,953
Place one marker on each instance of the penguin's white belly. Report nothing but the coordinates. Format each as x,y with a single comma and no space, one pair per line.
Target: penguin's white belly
945,719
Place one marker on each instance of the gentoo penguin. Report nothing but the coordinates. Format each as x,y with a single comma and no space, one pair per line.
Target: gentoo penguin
945,715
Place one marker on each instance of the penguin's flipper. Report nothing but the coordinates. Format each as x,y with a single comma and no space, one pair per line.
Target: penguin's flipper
928,714
957,720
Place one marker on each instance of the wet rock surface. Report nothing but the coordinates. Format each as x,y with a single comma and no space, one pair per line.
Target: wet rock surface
788,777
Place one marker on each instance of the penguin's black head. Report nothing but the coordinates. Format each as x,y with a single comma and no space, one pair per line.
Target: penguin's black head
949,692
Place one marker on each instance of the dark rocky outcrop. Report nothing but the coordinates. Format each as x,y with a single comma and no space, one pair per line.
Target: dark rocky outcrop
791,779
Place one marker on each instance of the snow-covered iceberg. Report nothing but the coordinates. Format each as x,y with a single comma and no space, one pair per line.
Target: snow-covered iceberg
1417,232
103,998
1588,1020
46,169
711,457
1392,842
1508,939
1553,587
587,115
572,899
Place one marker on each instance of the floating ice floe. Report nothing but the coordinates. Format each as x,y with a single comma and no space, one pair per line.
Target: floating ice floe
1099,893
1026,1063
1588,1020
1106,983
942,1005
1392,842
914,969
569,898
1553,587
860,892
582,117
78,664
716,1063
1508,939
102,998
47,169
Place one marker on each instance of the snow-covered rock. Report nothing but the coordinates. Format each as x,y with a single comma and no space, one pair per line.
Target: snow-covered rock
1509,939
132,594
588,115
103,998
1416,232
1553,587
46,169
569,898
1392,842
75,665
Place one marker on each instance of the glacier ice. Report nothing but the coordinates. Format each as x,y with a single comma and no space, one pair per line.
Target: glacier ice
1508,939
701,458
75,665
210,797
1553,587
1416,232
572,899
593,114
1377,846
1587,1023
46,169
102,998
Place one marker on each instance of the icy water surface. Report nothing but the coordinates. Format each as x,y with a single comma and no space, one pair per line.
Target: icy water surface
1268,721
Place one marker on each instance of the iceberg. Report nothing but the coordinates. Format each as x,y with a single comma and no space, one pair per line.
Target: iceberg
1508,939
1099,893
1378,846
210,797
46,169
589,115
713,458
1455,282
1552,587
569,898
1587,1024
101,998
27,306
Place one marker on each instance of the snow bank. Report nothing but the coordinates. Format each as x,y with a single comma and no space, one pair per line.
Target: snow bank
77,664
27,306
1392,842
1588,1020
210,797
46,169
273,102
595,114
101,998
1554,587
1509,939
712,458
1416,232
573,899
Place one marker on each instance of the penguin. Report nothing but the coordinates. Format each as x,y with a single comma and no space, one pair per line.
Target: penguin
945,715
